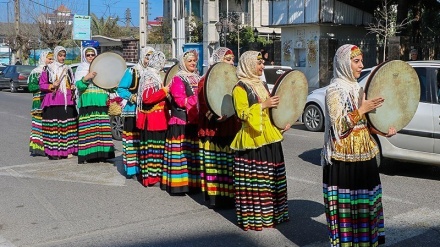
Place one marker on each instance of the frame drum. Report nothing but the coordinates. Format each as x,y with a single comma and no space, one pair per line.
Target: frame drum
220,81
172,71
110,68
292,88
397,82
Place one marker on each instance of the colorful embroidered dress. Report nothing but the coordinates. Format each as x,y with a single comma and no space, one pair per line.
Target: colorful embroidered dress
259,169
216,157
36,145
152,119
181,168
128,89
95,141
60,124
351,182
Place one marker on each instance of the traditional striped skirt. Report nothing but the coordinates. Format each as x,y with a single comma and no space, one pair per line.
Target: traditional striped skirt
95,141
181,166
60,128
130,146
36,145
353,203
217,171
260,187
152,149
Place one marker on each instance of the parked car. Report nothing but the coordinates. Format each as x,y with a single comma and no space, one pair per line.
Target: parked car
417,142
15,77
272,73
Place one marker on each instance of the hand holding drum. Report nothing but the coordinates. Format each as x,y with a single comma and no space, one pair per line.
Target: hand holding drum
397,83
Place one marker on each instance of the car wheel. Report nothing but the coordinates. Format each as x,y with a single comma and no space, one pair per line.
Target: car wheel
12,87
117,124
313,118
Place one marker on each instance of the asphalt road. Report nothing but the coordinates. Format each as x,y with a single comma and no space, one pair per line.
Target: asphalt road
60,203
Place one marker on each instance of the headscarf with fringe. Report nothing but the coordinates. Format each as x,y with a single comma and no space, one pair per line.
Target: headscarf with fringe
151,78
344,83
58,70
140,66
192,78
219,54
247,73
41,64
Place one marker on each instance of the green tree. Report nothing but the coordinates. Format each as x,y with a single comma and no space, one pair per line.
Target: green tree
107,27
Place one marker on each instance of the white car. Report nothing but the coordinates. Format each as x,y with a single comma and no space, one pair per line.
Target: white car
272,73
419,141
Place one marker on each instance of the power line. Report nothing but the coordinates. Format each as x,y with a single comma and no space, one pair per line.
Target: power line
42,5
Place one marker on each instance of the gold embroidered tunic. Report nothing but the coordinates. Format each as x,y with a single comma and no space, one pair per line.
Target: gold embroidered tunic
347,136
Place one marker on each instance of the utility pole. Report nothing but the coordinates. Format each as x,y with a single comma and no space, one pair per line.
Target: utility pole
143,19
17,45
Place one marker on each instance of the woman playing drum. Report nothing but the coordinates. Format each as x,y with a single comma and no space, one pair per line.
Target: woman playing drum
215,137
261,202
351,182
95,143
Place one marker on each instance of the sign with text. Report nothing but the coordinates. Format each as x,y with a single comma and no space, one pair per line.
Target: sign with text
81,27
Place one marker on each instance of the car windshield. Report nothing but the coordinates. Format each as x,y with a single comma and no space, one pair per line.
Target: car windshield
25,69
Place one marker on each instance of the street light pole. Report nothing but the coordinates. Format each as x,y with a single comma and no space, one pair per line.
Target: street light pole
273,37
88,7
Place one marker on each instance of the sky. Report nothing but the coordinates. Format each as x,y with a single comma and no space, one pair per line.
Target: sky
102,8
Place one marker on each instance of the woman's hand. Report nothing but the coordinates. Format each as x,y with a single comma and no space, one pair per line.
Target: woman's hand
368,105
271,102
89,76
56,83
391,132
286,128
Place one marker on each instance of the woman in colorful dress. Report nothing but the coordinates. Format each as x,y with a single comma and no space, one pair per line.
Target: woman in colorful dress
259,169
36,145
95,143
351,182
152,120
60,122
181,167
215,137
127,90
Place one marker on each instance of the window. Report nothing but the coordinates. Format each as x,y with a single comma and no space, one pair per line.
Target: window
421,72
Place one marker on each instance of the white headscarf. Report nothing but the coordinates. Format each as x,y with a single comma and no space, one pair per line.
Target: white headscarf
345,85
151,78
145,52
83,68
219,54
192,78
41,64
59,70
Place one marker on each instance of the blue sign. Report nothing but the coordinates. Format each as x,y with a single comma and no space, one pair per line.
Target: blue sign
81,27
199,48
90,43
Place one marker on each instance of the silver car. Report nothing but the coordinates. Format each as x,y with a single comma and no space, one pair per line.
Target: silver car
419,141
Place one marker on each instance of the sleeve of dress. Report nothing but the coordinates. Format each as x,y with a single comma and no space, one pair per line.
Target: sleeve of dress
33,85
150,97
81,86
203,107
342,113
45,86
178,92
251,115
125,83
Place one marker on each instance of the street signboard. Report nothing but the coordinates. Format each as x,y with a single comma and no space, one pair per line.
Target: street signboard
81,27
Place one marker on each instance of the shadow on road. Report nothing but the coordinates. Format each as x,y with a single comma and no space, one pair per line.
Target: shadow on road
312,156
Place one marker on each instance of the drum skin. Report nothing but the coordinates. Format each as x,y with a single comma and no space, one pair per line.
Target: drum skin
110,68
397,82
170,74
220,81
292,88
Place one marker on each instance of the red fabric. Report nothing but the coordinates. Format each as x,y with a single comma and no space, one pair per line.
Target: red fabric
157,118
